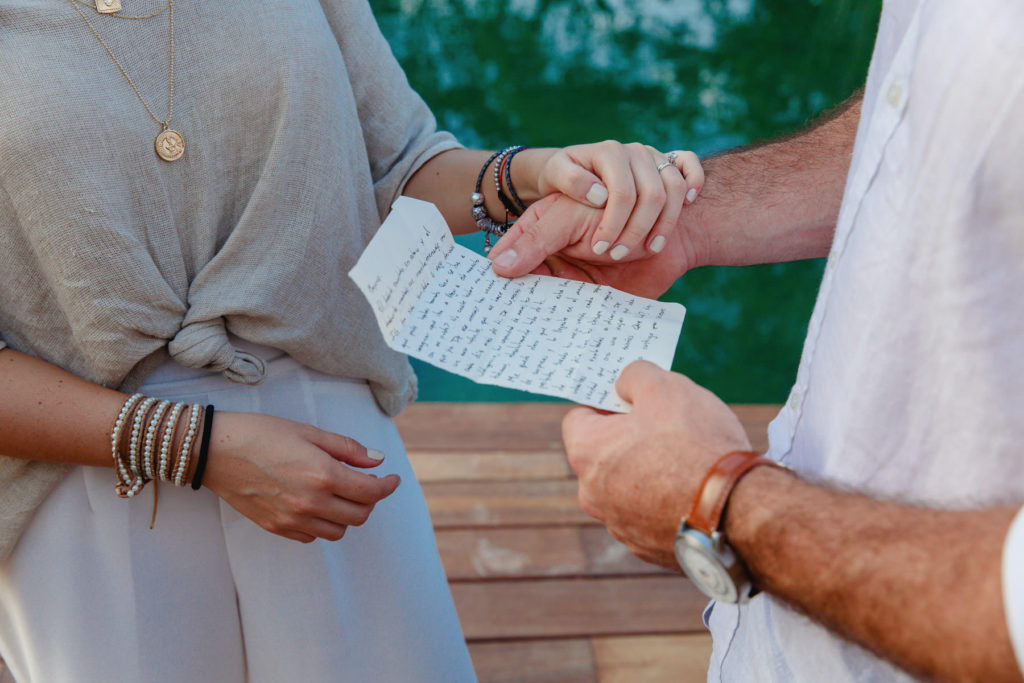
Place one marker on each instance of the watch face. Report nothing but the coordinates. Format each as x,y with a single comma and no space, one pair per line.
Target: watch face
710,570
709,575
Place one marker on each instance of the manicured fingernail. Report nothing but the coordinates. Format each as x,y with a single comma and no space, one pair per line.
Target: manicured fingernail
507,259
658,243
597,195
619,252
691,194
374,454
601,247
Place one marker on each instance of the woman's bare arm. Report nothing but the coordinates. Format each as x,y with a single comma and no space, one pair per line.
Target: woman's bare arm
290,478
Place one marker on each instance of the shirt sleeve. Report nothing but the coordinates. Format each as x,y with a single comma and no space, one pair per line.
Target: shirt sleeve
1013,585
399,129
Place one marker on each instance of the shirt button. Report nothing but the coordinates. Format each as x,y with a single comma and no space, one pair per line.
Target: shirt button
895,94
794,400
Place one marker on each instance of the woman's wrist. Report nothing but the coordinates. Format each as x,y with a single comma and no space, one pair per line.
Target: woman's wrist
527,170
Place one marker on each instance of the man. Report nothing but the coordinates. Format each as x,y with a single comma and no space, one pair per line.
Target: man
890,550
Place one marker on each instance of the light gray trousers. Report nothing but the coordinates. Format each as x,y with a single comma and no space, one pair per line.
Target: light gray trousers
92,594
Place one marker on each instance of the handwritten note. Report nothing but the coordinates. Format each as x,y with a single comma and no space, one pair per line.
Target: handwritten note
441,303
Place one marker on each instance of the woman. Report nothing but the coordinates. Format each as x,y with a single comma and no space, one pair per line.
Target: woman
183,187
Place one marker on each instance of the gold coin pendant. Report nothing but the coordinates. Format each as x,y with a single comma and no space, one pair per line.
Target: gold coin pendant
170,145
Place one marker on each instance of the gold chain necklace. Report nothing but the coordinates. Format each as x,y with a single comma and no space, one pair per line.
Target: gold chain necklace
169,144
113,8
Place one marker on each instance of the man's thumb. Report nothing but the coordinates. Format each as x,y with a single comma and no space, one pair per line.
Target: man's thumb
523,247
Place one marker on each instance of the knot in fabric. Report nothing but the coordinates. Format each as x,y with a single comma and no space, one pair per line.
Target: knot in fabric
206,345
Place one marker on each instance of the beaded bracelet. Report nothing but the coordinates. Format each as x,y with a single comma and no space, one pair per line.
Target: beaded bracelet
151,428
480,216
143,440
184,454
123,473
165,444
133,483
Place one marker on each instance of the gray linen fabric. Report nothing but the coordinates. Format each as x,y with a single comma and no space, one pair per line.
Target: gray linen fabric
300,131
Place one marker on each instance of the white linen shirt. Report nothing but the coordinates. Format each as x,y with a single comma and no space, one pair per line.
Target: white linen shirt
911,382
1013,590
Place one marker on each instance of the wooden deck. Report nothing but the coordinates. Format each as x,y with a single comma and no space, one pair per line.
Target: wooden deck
543,592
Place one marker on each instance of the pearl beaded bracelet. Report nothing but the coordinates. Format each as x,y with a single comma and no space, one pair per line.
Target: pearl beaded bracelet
150,441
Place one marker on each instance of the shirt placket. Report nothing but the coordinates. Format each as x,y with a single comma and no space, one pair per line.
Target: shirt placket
887,112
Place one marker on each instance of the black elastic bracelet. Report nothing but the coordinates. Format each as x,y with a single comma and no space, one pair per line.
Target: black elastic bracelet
521,208
504,159
204,449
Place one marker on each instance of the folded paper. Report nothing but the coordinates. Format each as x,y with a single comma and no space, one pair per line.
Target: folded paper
439,302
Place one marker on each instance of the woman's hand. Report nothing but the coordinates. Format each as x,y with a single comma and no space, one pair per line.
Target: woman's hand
292,478
641,190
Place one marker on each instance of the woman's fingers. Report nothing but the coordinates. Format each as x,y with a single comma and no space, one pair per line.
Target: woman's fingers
329,516
646,191
364,488
614,163
297,536
345,449
317,528
692,171
324,509
651,198
572,177
291,478
675,196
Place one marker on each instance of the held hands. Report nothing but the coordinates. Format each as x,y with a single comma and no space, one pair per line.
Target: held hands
638,471
291,478
645,191
552,239
641,190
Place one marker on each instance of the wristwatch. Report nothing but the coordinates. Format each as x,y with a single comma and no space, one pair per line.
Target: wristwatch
700,545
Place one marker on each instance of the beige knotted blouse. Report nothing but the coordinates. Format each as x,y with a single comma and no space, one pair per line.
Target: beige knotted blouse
300,130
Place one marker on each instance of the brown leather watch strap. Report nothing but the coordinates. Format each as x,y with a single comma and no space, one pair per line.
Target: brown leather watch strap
721,478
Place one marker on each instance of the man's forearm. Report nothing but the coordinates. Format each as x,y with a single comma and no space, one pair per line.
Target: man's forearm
922,588
778,201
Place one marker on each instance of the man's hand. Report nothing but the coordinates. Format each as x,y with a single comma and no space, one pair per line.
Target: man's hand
639,471
551,238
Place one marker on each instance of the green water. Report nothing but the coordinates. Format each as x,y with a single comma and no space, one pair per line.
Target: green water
682,74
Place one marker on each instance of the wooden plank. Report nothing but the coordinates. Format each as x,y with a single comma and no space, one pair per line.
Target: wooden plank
482,466
536,552
548,608
534,661
607,659
470,554
632,659
606,556
482,426
479,427
504,503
